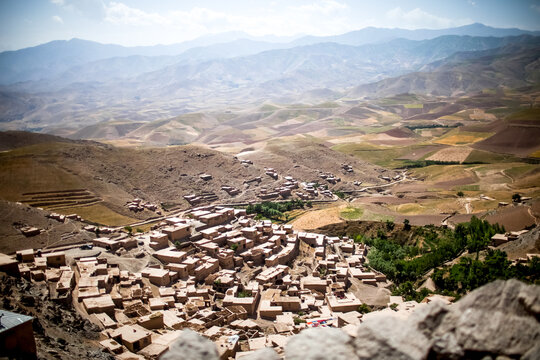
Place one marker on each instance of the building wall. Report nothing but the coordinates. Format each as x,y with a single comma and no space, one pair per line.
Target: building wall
18,342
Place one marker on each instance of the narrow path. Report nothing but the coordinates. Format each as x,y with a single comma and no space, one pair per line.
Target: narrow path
376,186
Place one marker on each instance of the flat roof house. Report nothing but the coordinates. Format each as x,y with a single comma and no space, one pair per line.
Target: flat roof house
16,336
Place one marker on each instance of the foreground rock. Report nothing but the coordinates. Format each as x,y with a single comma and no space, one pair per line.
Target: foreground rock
190,345
320,344
500,319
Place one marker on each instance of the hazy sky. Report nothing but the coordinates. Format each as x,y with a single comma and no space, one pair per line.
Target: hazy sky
26,23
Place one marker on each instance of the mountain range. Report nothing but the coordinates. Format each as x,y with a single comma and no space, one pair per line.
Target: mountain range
53,58
76,83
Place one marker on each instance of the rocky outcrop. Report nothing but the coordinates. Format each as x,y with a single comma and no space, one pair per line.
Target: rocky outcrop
320,344
190,345
499,320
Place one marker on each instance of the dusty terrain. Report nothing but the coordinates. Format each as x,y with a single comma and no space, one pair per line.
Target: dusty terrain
59,331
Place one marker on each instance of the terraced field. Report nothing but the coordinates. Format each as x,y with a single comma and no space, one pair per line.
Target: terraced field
60,199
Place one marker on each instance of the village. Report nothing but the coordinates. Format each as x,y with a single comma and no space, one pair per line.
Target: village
243,283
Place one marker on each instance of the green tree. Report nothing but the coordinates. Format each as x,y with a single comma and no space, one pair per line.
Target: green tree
460,194
516,197
339,194
406,225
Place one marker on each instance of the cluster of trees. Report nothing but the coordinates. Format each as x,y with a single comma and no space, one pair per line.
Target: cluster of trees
432,126
339,194
275,210
470,273
406,263
411,164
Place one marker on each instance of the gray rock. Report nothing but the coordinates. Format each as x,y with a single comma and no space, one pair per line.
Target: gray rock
262,354
533,353
191,346
499,318
320,344
388,336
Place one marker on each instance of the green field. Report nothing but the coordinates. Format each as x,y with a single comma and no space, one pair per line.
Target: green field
413,106
351,213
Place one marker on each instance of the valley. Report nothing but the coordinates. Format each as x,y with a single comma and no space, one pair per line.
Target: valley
223,197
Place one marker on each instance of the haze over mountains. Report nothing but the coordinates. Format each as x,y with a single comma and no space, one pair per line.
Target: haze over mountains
76,83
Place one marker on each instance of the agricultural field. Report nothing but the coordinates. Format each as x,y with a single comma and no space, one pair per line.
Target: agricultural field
452,154
457,137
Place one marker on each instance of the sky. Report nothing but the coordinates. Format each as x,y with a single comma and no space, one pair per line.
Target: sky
25,23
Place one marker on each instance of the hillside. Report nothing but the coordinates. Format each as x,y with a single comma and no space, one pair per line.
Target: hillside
14,139
511,66
96,180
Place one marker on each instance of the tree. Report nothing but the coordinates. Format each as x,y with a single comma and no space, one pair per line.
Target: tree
339,194
516,198
460,194
406,225
389,225
129,229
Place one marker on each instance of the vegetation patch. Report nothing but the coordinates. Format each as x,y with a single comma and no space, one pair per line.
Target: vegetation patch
276,210
462,137
351,213
532,114
405,264
469,274
489,157
413,106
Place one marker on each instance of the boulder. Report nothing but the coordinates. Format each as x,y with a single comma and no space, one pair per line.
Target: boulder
320,344
190,345
388,336
262,354
500,318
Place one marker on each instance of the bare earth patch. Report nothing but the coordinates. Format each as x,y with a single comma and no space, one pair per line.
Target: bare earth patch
318,218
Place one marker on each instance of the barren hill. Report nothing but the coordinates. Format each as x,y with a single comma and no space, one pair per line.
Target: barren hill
14,139
510,66
96,180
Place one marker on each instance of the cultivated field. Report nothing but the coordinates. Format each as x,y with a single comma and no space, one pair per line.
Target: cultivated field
452,154
462,137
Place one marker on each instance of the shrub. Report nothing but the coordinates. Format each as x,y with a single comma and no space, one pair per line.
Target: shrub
244,294
339,194
406,225
364,309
